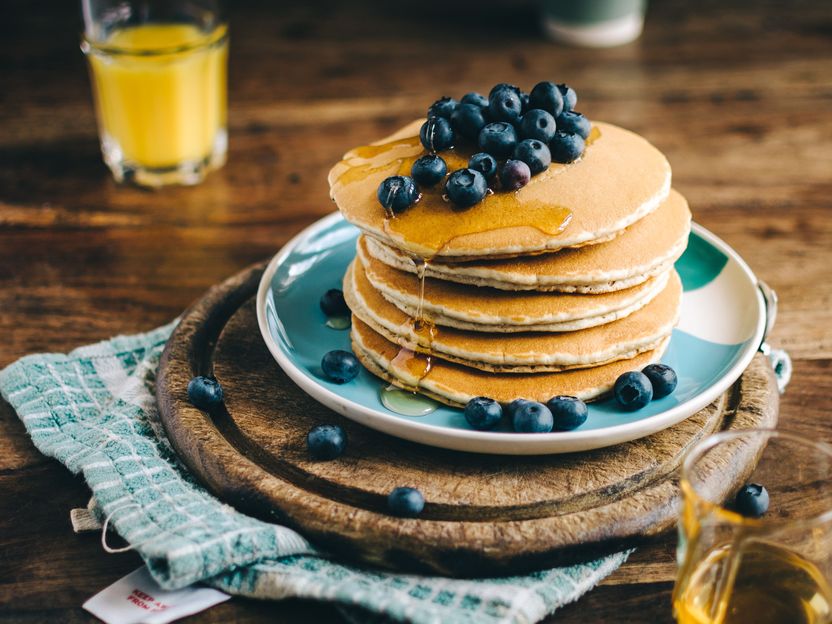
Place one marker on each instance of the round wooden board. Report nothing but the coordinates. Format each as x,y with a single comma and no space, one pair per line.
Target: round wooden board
484,514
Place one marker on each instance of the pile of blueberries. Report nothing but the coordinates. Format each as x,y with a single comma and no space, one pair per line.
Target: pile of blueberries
633,390
518,135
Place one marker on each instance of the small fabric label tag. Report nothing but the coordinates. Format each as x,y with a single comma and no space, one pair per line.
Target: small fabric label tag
137,599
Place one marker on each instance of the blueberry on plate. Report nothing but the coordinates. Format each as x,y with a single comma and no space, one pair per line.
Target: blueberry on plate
570,98
538,124
633,390
498,139
466,187
532,417
511,408
326,442
570,121
468,120
546,96
535,154
568,412
443,107
662,378
752,500
505,105
428,169
565,147
514,175
405,502
333,304
397,193
436,134
340,366
476,99
204,393
486,164
483,413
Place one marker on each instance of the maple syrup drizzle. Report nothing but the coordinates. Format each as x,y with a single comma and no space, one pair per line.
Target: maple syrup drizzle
416,363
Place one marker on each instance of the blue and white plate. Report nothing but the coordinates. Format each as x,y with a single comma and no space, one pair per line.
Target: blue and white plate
722,324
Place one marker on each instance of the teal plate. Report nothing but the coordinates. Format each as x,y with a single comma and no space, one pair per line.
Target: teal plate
721,327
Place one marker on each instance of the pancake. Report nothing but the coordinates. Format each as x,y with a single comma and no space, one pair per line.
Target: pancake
645,249
523,352
488,310
455,385
620,179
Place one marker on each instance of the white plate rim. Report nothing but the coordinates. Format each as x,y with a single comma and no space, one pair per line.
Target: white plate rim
503,443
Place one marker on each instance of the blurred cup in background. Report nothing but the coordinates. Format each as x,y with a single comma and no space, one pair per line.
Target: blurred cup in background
159,74
593,23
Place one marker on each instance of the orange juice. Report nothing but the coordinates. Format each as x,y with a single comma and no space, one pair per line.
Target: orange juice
160,92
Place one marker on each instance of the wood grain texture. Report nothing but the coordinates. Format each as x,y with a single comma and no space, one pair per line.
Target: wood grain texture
483,514
735,92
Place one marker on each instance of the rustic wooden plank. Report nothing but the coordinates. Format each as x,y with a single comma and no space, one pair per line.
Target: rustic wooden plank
736,93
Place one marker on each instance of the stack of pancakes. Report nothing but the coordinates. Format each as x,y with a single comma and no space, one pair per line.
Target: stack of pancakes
557,288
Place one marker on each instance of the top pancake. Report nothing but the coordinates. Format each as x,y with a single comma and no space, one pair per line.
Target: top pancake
619,179
645,249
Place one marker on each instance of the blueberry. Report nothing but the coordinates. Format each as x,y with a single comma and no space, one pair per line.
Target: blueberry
538,124
546,96
532,417
340,366
498,139
535,154
566,147
504,85
514,175
397,193
568,412
483,413
512,407
406,502
466,187
436,134
575,123
486,164
662,378
633,390
505,105
204,392
333,304
524,102
570,98
326,442
428,169
476,99
443,107
468,120
752,500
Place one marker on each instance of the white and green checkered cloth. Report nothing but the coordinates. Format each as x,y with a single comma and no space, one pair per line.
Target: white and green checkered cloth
94,410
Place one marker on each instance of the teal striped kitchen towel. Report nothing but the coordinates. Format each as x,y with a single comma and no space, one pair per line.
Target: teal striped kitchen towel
94,410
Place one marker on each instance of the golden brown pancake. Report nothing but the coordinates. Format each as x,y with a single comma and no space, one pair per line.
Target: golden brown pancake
491,310
455,385
620,179
645,249
520,352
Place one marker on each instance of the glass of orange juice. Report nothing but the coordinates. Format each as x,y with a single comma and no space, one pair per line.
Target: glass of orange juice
756,549
159,74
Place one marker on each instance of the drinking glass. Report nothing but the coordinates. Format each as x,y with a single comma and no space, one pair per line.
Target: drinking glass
768,569
158,70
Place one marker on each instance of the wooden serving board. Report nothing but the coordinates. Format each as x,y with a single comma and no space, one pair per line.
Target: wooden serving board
484,514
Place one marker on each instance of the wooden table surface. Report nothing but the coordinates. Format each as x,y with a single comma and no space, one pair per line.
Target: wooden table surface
737,94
